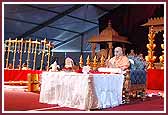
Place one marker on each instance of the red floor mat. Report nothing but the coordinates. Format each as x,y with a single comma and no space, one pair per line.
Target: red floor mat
18,100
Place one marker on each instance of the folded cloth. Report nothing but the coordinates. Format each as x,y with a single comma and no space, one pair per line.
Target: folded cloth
98,72
86,69
54,67
111,70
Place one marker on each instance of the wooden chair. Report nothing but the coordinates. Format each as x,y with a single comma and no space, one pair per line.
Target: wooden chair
135,81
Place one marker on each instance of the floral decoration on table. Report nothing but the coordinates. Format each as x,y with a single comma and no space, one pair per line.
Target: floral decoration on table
67,69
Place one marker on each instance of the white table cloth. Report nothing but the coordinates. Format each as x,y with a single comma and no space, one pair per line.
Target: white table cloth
82,91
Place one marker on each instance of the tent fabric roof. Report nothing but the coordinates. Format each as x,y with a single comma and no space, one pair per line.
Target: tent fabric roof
62,24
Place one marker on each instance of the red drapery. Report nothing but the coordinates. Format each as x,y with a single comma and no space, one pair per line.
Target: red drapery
18,75
155,79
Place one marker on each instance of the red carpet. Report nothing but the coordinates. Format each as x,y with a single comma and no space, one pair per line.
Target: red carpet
19,100
150,104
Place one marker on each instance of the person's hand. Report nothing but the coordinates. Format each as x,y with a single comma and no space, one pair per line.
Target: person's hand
123,68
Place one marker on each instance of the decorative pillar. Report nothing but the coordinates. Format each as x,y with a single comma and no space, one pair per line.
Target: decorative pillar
14,54
107,61
150,58
25,47
18,46
28,53
7,58
35,54
33,44
42,57
110,49
48,62
162,56
93,49
21,48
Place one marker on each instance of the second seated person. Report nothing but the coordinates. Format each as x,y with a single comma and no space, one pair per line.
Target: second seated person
69,63
119,60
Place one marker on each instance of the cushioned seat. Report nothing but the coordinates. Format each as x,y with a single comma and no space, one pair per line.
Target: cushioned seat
137,70
138,76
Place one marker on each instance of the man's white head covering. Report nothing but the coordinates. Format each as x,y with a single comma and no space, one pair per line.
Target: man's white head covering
69,62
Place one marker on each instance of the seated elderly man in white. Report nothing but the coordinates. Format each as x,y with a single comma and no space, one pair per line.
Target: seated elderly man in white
69,63
119,60
116,64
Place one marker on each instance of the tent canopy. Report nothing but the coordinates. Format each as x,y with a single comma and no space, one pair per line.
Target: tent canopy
67,26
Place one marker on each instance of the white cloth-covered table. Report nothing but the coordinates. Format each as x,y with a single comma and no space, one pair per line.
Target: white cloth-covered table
82,91
108,89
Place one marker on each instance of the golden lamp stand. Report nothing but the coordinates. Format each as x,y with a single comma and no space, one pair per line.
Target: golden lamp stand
8,51
161,58
21,48
81,61
48,61
150,58
88,61
43,51
102,61
28,52
29,47
95,63
14,55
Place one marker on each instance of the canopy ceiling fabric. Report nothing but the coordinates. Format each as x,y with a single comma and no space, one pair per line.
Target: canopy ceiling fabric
65,25
70,26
